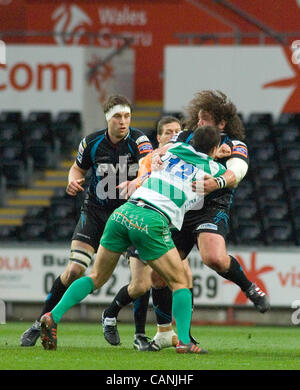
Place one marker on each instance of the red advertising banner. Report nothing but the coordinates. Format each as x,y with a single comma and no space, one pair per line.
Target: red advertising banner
152,24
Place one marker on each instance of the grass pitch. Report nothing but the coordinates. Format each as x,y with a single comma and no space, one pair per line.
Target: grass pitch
82,347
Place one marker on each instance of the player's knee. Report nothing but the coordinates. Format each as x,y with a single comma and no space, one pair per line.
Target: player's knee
215,261
138,288
156,280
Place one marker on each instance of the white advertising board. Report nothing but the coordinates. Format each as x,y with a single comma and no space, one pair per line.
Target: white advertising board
255,78
54,78
28,274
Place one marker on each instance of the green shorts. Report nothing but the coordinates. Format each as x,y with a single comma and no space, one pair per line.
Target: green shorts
146,229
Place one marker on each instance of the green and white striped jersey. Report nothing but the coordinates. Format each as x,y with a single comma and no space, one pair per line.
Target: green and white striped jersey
170,190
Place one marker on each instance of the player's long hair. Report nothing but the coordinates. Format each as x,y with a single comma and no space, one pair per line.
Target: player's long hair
220,107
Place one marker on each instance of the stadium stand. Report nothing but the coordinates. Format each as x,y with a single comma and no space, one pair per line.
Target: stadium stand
38,151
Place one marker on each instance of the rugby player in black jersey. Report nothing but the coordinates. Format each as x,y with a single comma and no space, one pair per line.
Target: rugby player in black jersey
210,225
113,155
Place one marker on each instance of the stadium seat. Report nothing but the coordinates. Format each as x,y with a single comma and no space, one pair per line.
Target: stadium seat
11,116
280,233
16,173
249,233
265,118
67,127
271,192
246,210
40,117
42,154
290,153
245,191
258,133
69,117
266,171
61,209
61,231
286,133
261,152
293,188
286,118
10,131
12,151
35,131
36,213
275,211
292,172
34,230
9,233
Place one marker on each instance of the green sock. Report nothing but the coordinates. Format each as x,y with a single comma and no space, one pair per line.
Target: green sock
77,291
182,312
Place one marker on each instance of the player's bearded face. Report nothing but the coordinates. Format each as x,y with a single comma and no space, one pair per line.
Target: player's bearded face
205,119
119,124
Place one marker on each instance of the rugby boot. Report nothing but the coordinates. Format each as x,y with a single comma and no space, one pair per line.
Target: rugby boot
110,330
189,348
48,332
258,297
143,343
30,336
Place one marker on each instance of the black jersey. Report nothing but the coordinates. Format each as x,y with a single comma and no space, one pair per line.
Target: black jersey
223,197
111,164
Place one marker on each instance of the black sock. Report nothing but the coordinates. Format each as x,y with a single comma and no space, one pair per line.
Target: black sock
191,290
57,291
162,303
140,308
121,299
236,274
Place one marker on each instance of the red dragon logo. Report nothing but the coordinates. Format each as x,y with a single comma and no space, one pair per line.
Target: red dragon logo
292,104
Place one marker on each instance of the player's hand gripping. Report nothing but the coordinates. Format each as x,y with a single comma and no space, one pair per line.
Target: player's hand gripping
75,186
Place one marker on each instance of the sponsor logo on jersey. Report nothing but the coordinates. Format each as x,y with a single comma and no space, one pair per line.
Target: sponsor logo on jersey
240,149
145,147
210,226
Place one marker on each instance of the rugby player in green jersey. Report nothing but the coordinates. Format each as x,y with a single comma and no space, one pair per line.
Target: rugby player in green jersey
145,221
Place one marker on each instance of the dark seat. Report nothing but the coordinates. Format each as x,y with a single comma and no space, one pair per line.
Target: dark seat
287,118
247,211
37,131
286,133
61,231
267,171
42,154
16,173
275,211
258,133
40,117
249,233
67,127
259,152
262,118
280,233
10,132
291,172
9,233
34,230
293,188
245,191
36,213
12,151
290,153
271,192
61,209
11,116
